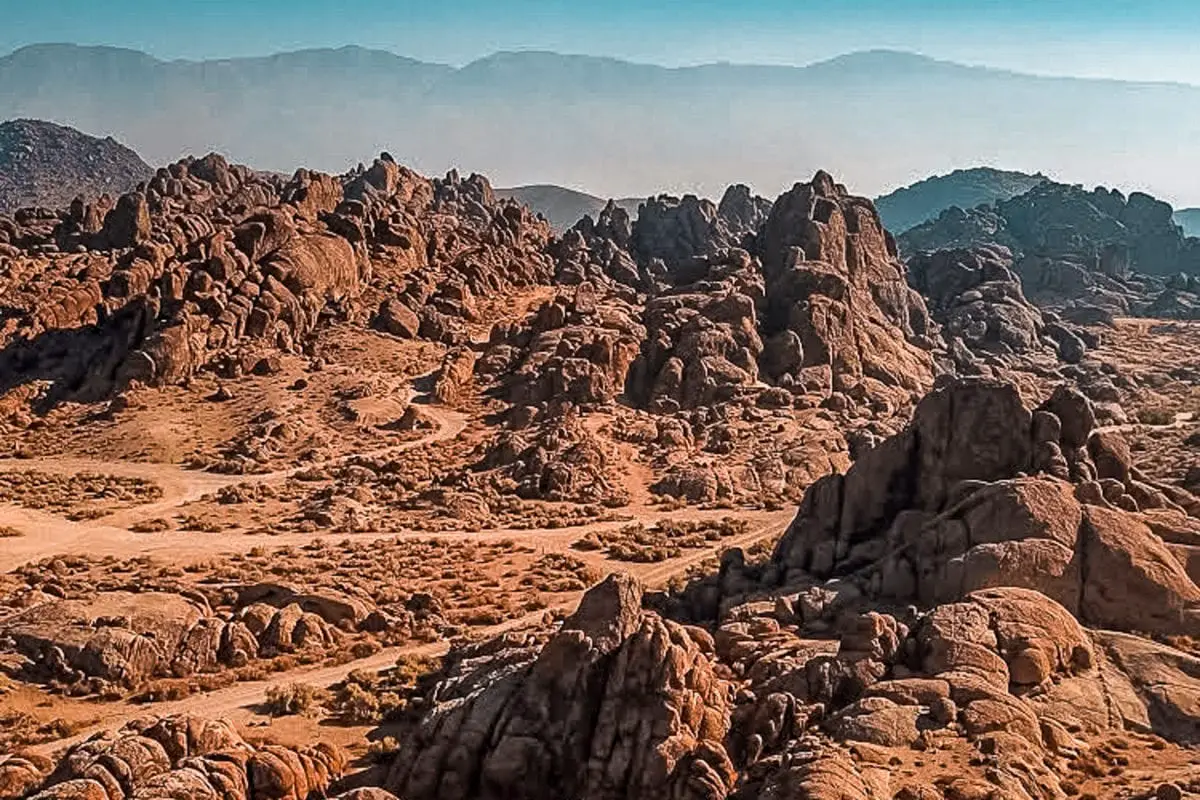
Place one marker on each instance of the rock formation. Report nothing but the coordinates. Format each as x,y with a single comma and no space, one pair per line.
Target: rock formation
1097,250
127,638
980,492
833,279
189,757
212,259
978,301
619,703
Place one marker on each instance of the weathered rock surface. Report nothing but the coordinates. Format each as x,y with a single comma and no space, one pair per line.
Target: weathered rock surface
619,703
1092,251
190,757
980,492
126,639
977,300
211,258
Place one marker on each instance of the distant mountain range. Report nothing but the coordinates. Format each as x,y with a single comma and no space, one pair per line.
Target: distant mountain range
564,207
877,120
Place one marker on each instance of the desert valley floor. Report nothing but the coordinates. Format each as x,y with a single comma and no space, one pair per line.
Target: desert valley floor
349,485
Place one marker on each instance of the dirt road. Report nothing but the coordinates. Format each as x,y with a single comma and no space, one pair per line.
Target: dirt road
48,535
237,703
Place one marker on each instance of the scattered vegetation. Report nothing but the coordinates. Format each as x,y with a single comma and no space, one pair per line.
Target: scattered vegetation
80,496
668,539
368,698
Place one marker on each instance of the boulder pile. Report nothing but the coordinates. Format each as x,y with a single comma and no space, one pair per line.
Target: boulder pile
1075,249
187,756
978,301
211,259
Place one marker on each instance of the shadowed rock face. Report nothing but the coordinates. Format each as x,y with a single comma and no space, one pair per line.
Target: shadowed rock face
980,492
818,301
833,278
618,704
48,166
1101,227
978,301
1097,253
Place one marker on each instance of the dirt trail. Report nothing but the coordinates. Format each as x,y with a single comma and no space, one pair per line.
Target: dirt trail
47,535
1182,420
237,703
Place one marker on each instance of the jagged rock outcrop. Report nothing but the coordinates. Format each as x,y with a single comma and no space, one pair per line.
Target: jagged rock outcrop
978,301
576,348
980,492
703,344
212,258
833,278
675,231
448,242
557,458
1094,250
598,251
619,703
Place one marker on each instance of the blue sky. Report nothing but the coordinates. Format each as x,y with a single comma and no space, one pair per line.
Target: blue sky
1148,40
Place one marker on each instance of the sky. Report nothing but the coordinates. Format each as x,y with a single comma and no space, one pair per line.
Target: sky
1121,39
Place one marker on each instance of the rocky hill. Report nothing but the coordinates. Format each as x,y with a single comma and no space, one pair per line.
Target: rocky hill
965,188
1072,246
562,207
48,165
372,486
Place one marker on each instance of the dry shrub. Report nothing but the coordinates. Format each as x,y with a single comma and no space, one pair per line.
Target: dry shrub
156,525
383,749
1155,416
295,698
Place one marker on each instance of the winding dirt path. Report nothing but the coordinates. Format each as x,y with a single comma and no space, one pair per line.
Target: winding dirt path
237,702
47,535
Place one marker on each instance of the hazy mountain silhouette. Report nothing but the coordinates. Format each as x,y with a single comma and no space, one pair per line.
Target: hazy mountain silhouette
1189,220
563,207
965,188
877,120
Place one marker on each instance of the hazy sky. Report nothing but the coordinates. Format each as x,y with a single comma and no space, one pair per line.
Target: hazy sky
1128,39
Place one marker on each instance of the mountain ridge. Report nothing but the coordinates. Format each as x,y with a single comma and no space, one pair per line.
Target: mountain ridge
877,57
619,128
